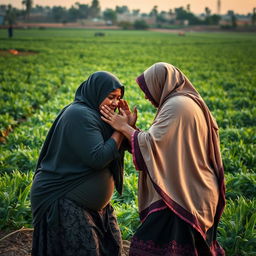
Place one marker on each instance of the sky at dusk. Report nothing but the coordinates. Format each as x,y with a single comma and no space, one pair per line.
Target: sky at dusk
196,6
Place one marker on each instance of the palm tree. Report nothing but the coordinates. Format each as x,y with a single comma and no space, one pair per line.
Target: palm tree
28,5
207,11
254,16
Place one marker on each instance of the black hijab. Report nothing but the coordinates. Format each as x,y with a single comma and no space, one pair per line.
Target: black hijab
63,160
91,93
96,88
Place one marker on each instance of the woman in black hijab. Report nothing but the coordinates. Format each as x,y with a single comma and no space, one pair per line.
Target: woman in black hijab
79,165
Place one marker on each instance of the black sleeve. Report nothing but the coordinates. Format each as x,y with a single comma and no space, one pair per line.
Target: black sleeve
87,142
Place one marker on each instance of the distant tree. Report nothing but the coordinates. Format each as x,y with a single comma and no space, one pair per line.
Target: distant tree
230,12
254,16
122,9
110,15
59,13
95,9
232,16
161,17
207,11
73,13
136,12
234,21
154,11
144,14
28,5
215,19
38,9
170,12
188,8
140,25
125,25
83,10
211,19
182,14
172,16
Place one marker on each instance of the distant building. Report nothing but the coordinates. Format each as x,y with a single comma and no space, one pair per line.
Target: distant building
225,21
149,20
244,21
182,22
129,17
241,21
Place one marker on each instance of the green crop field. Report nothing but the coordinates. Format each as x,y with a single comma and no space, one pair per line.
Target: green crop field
35,87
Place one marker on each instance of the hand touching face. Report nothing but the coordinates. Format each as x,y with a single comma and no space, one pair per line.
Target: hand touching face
117,121
132,116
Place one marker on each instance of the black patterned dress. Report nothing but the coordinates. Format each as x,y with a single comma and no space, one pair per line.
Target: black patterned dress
80,232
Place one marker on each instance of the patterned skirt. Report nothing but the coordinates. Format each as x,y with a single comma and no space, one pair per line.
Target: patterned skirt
80,232
163,233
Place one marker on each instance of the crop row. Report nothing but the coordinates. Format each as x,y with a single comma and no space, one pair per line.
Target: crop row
36,87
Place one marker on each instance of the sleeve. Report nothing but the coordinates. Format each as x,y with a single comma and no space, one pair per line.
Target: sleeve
87,143
136,153
126,145
158,134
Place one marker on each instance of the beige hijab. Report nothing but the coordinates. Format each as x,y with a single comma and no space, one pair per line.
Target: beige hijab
180,151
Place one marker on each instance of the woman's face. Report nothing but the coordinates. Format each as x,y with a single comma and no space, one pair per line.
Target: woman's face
112,100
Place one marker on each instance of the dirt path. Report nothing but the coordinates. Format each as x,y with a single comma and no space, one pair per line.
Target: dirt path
19,243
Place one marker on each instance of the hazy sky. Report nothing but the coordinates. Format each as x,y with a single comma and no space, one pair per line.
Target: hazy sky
196,6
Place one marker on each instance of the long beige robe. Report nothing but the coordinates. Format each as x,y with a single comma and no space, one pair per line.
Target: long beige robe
179,155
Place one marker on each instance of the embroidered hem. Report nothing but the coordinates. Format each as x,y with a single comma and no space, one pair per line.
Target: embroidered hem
149,248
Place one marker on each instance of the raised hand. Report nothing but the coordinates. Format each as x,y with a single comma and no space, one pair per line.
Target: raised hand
132,116
117,121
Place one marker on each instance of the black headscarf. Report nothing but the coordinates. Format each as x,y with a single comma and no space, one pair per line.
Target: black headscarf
78,144
96,88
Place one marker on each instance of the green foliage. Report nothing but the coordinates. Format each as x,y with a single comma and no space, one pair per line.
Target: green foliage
35,88
14,200
128,220
140,25
241,184
237,229
125,25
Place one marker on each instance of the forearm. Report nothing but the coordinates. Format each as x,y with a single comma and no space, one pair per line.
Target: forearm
118,138
127,131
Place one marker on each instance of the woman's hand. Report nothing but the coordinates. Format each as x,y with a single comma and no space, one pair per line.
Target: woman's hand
132,116
117,121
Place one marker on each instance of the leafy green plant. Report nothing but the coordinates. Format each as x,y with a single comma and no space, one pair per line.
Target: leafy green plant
241,184
35,88
14,200
237,229
128,220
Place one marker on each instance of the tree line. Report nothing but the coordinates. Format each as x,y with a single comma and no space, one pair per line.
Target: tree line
93,10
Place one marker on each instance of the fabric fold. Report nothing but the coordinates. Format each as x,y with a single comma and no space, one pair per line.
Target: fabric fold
179,156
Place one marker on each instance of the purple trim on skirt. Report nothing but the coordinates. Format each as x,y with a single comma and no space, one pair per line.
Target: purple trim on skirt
150,248
142,83
180,211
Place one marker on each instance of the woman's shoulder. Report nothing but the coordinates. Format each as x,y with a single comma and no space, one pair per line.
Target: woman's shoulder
181,102
80,111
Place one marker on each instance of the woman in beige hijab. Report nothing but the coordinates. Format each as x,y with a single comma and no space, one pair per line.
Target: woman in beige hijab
181,179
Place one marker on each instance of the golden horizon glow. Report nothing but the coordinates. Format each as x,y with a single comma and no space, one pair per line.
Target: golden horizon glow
196,6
